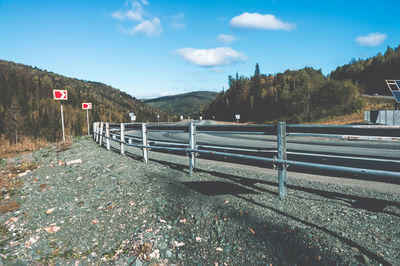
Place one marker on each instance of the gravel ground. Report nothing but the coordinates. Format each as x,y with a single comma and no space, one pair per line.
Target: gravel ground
113,209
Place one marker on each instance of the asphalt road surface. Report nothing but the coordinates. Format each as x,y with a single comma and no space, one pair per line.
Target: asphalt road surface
378,155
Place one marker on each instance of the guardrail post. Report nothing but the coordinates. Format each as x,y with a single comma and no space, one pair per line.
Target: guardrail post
192,146
101,133
281,135
108,135
145,143
122,138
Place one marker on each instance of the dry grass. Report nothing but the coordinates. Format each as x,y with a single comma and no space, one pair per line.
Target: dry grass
26,145
62,146
9,183
341,120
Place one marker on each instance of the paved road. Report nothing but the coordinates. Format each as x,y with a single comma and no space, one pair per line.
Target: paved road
380,155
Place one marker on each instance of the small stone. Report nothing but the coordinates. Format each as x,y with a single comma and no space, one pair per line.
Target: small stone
93,254
49,211
52,229
74,162
138,263
219,249
373,217
24,173
169,253
366,259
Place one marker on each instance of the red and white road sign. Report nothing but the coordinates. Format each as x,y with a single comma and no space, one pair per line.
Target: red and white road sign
60,94
86,106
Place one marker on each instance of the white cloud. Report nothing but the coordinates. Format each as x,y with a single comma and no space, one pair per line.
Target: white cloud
372,39
178,26
260,21
219,56
135,13
147,24
178,22
148,27
226,39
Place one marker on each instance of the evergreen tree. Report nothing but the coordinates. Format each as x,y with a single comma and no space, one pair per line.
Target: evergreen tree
14,122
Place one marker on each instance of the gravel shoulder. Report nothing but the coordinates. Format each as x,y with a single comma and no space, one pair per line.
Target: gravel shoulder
113,209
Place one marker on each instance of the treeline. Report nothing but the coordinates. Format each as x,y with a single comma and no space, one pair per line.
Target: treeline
295,96
27,106
371,73
185,104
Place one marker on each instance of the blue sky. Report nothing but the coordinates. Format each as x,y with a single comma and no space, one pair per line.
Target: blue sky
150,48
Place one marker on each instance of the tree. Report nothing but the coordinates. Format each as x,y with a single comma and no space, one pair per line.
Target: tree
257,71
14,122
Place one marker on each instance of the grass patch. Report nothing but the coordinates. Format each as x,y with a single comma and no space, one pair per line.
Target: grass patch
68,254
26,145
8,206
64,145
10,183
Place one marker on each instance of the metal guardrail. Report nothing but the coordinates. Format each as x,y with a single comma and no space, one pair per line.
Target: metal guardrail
383,117
103,133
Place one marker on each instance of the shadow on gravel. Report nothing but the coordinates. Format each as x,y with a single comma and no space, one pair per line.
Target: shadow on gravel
284,242
349,242
213,188
357,202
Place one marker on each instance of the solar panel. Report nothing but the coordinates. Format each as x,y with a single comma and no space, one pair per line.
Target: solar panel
396,95
393,87
398,84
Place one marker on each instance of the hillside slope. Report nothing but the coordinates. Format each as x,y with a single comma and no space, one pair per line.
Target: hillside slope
27,92
182,104
294,96
371,73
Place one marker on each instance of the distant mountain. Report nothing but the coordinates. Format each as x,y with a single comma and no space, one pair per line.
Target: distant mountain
27,92
182,104
371,73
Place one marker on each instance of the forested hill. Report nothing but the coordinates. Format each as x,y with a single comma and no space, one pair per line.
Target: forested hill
371,73
27,105
182,104
295,96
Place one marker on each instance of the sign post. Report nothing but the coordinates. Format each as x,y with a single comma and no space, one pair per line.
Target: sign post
237,118
87,106
133,116
61,95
